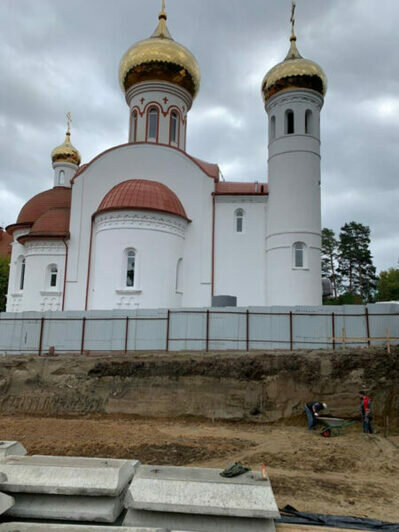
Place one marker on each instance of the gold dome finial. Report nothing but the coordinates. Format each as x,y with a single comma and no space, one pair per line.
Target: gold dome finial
69,122
66,153
163,14
160,58
293,36
295,71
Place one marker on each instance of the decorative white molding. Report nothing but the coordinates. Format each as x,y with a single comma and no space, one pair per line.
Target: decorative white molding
128,291
295,96
43,247
135,219
241,199
50,293
163,88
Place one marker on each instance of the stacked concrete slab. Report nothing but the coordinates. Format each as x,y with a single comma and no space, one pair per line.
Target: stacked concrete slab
200,500
66,488
38,527
11,448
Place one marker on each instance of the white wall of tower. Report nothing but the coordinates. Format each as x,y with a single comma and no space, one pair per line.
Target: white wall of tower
294,207
170,102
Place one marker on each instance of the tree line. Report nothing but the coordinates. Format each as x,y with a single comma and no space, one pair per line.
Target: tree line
348,263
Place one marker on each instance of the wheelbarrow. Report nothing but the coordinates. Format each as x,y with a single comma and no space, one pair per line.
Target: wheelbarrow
334,426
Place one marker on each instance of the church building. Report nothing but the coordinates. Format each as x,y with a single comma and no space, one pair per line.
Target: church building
148,225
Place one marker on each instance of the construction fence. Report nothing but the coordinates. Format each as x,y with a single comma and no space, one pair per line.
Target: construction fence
207,329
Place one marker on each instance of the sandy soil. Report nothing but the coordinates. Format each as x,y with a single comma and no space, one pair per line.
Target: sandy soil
350,475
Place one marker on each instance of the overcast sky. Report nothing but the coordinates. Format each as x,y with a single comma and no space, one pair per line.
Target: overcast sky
58,56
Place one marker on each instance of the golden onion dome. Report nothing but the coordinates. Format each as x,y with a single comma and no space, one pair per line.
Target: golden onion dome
160,58
294,72
66,153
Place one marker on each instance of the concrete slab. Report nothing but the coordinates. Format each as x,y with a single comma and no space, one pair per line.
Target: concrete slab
201,491
6,502
197,523
59,475
41,527
67,508
13,448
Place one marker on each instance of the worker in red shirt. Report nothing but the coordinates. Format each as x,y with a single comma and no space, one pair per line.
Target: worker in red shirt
367,415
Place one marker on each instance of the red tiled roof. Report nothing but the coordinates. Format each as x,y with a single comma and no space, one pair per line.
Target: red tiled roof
210,169
54,223
57,197
5,241
142,194
241,188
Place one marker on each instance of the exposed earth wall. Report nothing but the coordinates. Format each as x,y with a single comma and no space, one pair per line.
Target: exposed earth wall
264,387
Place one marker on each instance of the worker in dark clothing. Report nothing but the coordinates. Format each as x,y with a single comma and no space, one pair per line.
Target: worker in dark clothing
312,410
367,415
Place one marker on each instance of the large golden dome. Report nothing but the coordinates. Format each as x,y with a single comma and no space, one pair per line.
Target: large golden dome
294,72
66,153
160,58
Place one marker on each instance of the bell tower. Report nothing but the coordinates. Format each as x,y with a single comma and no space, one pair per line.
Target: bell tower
293,93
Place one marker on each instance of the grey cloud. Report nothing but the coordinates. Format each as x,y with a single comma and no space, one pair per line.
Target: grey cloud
61,56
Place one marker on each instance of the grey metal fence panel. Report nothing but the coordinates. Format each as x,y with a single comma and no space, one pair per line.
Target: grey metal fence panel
201,329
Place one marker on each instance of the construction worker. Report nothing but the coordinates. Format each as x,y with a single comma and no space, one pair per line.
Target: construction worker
312,410
367,415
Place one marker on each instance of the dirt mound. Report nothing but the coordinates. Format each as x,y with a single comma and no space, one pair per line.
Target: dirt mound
350,474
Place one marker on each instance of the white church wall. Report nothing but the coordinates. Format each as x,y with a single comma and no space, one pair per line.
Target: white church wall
15,294
38,292
157,241
165,165
240,256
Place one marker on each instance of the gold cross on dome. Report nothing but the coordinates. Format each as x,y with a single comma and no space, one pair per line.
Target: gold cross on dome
293,17
69,121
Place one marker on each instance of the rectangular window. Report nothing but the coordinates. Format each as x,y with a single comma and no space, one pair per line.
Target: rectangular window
130,269
298,256
239,224
22,278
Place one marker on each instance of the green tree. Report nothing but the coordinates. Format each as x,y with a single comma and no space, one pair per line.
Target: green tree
4,273
329,254
388,285
356,262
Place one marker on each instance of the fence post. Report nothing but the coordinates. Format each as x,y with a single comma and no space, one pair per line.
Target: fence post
41,336
82,343
207,331
167,331
126,333
367,326
333,330
247,330
291,333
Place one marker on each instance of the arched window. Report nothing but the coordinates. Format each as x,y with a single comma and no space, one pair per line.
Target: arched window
22,274
179,276
239,220
130,267
152,123
133,130
173,127
53,276
289,122
299,255
61,179
309,122
273,128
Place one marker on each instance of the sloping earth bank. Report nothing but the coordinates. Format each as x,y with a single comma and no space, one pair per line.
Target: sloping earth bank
351,474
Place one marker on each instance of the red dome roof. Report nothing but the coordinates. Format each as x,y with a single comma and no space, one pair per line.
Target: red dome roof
54,223
57,197
142,194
